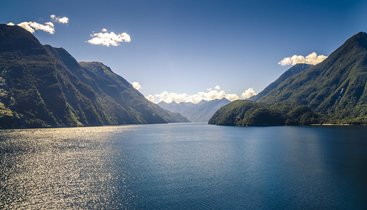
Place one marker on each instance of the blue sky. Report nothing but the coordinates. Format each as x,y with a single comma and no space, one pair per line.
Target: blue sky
189,46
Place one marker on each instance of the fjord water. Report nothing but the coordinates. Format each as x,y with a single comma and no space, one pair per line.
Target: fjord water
184,166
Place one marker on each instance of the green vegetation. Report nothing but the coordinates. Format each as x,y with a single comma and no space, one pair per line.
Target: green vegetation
42,86
249,113
332,92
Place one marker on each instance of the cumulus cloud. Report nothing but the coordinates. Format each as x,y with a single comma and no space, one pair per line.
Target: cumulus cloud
106,38
62,20
232,96
151,98
248,93
208,95
31,26
48,27
136,85
312,59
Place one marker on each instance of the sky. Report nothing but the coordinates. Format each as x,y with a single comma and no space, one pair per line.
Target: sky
188,50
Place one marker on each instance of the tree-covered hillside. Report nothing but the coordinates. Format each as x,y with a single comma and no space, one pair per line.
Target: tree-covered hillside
335,89
43,86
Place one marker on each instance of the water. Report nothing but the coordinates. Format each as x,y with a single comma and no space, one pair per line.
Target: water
184,166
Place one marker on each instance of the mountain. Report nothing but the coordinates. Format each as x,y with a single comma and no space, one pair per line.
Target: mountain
43,86
200,112
294,70
334,91
250,113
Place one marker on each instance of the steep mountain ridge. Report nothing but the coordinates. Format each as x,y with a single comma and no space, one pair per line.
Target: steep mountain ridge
43,86
294,70
335,90
336,86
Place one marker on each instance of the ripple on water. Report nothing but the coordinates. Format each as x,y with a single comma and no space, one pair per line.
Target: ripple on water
58,168
184,166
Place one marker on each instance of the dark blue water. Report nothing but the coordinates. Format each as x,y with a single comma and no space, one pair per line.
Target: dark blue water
184,166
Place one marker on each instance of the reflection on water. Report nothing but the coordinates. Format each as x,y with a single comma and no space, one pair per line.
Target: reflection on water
194,166
66,167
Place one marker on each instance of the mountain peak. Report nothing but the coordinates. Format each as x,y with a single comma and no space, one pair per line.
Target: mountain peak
359,39
15,38
4,28
360,35
45,86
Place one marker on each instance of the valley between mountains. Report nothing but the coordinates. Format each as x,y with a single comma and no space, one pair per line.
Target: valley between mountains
43,86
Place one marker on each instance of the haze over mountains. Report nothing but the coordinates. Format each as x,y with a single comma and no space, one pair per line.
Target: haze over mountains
334,91
200,112
43,86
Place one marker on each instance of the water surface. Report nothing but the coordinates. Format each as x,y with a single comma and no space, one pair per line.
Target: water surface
184,166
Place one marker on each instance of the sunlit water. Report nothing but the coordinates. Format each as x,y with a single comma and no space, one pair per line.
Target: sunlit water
184,166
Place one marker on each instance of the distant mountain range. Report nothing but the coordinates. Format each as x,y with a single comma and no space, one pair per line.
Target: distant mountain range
200,112
334,91
43,86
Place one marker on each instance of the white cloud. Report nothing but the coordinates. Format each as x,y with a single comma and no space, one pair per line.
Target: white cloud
151,98
248,93
48,27
136,85
232,96
31,26
62,20
312,59
106,38
210,94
